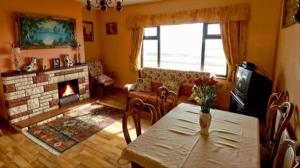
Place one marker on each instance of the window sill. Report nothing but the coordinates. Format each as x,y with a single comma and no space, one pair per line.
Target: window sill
221,77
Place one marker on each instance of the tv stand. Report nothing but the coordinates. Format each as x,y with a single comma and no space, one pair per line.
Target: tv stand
252,107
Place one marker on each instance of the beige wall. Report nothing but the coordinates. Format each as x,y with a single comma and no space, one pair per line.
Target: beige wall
287,74
261,44
92,48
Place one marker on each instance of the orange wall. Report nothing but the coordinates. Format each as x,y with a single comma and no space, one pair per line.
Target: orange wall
92,49
261,44
287,74
61,8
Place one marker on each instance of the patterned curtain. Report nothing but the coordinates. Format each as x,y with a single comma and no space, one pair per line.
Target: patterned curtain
237,12
137,35
234,41
233,21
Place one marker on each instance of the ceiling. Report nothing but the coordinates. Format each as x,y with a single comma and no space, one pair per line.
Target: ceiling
126,2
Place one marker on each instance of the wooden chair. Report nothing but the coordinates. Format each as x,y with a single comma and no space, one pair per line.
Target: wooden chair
275,99
166,100
136,106
99,79
281,115
286,155
278,98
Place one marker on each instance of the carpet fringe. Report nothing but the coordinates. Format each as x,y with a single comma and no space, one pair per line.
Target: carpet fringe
39,142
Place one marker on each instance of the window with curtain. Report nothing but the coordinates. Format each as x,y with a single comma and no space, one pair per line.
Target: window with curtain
195,47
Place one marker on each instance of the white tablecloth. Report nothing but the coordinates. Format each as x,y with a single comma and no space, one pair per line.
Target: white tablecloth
174,141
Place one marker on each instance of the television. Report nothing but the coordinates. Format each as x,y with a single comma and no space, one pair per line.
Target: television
251,84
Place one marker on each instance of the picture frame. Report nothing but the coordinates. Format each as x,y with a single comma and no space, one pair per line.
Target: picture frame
111,28
40,31
88,31
290,12
56,63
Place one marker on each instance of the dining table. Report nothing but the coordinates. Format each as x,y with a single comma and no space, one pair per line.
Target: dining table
175,141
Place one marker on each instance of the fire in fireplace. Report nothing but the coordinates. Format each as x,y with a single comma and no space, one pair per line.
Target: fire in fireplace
68,92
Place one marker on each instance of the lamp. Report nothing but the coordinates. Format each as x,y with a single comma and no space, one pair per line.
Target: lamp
105,4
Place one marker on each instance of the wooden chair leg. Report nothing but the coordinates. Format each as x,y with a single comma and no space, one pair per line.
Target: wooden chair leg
1,133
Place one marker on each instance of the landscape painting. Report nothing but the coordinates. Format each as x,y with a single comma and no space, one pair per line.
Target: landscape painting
45,32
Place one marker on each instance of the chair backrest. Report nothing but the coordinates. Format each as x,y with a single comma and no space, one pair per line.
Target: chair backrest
286,155
136,106
281,114
166,100
278,98
95,68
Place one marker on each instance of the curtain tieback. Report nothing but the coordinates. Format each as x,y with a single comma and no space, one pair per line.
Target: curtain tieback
232,67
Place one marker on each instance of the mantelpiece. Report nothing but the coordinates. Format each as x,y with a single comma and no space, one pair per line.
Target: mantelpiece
33,93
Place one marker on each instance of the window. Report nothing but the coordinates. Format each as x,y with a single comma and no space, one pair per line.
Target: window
195,47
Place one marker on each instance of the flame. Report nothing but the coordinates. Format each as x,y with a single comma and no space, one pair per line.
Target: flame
69,91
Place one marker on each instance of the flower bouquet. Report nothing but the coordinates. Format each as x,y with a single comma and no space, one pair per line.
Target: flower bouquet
204,93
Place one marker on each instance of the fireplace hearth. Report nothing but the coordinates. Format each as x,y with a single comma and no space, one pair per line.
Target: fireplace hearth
68,92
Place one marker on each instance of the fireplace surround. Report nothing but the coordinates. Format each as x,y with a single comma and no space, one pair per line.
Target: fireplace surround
29,94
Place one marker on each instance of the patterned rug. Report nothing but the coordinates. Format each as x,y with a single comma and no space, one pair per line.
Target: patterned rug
74,127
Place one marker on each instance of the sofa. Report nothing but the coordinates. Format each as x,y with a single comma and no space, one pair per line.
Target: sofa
158,76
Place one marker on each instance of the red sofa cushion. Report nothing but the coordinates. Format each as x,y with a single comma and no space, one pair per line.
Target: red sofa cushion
185,89
147,97
155,86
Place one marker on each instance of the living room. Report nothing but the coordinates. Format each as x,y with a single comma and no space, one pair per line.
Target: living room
111,40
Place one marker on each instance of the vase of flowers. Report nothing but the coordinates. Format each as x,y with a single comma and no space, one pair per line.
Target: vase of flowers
204,93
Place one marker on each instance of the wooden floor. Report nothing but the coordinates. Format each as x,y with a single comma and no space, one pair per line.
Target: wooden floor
100,150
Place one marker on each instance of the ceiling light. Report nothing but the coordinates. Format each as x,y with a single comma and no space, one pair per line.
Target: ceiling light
105,4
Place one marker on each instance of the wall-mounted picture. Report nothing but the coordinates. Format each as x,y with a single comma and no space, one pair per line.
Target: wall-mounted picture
56,63
88,31
291,8
45,32
111,28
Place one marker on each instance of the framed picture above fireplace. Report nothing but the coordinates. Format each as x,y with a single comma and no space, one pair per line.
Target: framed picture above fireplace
35,31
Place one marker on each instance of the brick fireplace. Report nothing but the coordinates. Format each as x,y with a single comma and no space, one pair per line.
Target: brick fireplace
30,94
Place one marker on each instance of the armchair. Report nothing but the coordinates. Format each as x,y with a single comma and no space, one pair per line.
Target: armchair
99,80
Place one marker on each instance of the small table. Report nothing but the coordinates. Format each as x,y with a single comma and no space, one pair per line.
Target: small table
174,141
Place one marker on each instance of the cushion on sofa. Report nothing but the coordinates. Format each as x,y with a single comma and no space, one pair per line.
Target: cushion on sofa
143,85
104,79
186,89
147,97
155,86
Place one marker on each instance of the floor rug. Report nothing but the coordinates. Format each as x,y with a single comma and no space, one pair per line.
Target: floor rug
74,127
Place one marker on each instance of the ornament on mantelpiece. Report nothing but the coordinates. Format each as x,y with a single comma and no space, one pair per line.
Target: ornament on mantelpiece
68,61
78,46
41,64
31,67
16,52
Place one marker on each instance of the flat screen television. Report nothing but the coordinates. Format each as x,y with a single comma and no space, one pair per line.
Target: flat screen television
250,82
